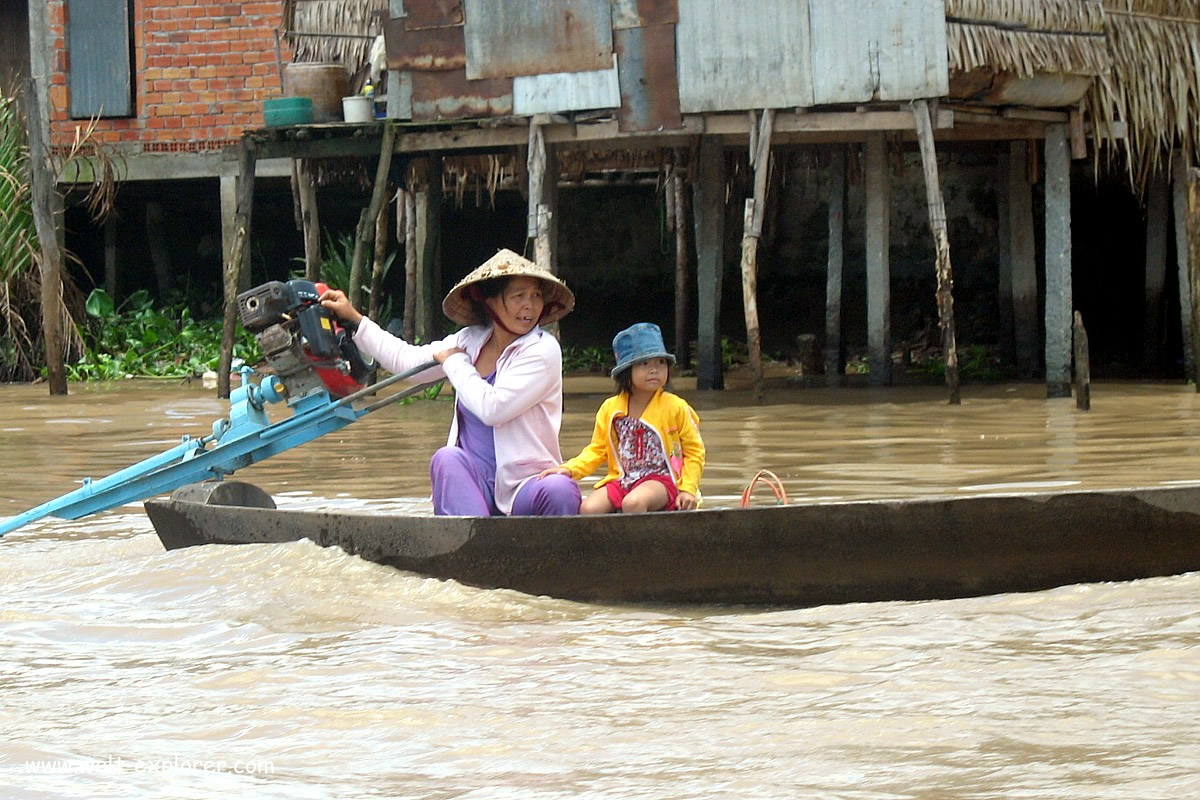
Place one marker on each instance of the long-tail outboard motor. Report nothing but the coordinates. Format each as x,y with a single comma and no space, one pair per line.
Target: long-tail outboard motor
305,346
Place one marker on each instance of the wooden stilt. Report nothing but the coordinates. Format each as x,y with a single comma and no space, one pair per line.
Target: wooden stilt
543,252
375,306
1004,260
1058,263
1179,183
1157,209
428,244
879,290
536,168
51,266
309,219
1193,248
160,252
365,240
941,240
110,255
751,233
708,196
682,284
235,257
1024,259
410,266
833,267
1083,367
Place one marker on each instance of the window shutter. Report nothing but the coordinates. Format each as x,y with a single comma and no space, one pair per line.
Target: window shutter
100,75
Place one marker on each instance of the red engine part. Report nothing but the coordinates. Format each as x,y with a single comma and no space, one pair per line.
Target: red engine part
337,382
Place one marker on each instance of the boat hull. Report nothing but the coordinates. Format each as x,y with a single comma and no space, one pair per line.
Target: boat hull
796,555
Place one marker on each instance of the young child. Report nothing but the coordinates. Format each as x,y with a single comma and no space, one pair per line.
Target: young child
649,436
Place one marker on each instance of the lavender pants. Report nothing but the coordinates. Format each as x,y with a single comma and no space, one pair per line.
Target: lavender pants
464,486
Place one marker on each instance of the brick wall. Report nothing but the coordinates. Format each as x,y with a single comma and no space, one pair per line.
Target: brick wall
200,73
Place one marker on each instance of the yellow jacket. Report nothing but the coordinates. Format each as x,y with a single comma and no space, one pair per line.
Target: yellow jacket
678,429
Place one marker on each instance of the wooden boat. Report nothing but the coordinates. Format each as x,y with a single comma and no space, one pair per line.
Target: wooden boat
794,555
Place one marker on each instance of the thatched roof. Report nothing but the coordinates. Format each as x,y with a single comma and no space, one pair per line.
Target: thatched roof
340,31
1154,84
1025,37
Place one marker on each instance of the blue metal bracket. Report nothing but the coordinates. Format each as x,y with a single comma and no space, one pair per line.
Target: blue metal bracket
243,438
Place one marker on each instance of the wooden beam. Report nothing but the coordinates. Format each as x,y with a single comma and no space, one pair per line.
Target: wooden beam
941,240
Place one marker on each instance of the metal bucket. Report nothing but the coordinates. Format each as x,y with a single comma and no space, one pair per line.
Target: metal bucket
326,84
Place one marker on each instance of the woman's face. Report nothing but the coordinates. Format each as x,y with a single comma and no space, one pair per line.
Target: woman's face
650,375
519,306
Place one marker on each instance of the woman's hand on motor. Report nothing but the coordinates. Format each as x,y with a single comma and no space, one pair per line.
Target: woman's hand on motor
685,501
554,471
444,354
336,302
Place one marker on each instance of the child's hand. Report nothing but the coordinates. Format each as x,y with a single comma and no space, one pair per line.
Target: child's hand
685,501
554,471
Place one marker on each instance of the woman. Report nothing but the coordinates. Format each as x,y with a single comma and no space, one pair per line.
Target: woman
507,377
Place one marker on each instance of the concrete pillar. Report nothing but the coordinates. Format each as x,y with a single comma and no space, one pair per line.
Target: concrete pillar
879,291
709,214
1058,262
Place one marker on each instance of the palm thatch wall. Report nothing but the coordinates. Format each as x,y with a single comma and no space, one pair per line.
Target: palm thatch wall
1025,37
1154,84
330,31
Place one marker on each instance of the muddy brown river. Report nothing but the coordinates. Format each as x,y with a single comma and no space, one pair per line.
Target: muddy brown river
291,671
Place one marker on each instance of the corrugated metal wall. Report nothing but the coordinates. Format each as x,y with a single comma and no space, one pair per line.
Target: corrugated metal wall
656,59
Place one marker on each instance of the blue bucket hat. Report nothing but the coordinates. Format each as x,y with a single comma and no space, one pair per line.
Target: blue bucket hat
636,343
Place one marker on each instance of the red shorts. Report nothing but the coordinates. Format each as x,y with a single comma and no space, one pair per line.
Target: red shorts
616,495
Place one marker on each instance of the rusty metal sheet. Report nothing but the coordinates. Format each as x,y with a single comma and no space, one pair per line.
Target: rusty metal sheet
640,13
422,14
450,95
754,55
507,38
649,85
566,91
426,49
895,50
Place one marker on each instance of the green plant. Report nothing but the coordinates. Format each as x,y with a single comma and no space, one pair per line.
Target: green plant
336,264
975,363
137,340
586,359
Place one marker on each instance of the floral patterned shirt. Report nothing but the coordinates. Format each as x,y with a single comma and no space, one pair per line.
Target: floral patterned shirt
639,450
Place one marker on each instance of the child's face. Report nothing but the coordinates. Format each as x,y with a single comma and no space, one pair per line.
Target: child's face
650,375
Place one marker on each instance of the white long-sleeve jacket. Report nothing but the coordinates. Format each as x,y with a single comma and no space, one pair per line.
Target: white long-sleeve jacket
523,405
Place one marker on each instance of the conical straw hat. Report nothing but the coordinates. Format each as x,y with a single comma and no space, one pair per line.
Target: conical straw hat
506,264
